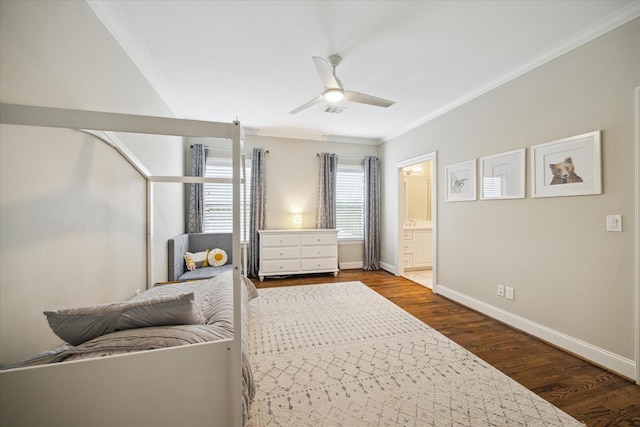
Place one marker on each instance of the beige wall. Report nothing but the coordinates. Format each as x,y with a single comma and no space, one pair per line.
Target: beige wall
58,247
292,170
568,273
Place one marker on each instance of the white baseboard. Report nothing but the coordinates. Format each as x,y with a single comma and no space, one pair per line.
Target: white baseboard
605,358
388,267
351,265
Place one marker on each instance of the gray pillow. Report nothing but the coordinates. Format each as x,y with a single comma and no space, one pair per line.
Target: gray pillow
81,324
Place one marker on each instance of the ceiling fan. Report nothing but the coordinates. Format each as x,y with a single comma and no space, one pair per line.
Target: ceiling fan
333,90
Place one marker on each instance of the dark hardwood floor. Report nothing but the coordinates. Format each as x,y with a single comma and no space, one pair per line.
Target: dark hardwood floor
586,392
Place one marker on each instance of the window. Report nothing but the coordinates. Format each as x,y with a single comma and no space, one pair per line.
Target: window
218,197
350,201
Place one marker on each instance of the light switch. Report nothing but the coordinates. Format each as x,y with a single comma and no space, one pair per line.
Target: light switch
614,222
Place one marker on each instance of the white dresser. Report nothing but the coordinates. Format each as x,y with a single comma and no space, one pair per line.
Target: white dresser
285,252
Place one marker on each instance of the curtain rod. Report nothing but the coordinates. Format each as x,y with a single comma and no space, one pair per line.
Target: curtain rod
347,157
222,149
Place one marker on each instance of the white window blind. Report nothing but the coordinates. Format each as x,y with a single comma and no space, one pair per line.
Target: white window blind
350,201
218,197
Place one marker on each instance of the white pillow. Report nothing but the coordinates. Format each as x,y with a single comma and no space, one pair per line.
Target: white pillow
217,257
196,260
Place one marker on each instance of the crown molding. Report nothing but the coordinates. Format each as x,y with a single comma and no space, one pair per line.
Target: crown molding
309,136
611,22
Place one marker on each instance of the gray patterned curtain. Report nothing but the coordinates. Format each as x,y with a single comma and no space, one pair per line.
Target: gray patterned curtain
195,217
326,207
371,213
257,216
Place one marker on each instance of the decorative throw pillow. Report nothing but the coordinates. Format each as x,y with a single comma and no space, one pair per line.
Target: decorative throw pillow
81,324
217,257
196,260
191,265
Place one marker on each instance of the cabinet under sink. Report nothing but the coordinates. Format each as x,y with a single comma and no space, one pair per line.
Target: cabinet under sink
417,249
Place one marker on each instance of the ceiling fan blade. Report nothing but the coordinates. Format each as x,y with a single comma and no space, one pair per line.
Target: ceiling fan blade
325,70
307,105
362,98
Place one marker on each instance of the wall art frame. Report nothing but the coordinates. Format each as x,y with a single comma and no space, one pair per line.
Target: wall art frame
567,167
502,176
461,181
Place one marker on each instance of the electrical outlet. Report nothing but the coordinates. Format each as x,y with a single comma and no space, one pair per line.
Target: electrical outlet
501,290
509,293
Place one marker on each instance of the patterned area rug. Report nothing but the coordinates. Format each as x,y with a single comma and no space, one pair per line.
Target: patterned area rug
341,355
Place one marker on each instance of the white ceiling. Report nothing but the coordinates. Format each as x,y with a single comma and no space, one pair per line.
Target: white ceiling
251,60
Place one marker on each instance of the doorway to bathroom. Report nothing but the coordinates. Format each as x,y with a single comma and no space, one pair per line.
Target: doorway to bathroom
416,254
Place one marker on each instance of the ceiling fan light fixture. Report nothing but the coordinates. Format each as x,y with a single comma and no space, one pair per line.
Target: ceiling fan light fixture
333,95
333,89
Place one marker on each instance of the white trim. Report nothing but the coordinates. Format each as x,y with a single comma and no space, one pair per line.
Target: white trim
388,267
602,357
434,219
309,136
637,237
398,270
609,23
414,160
400,213
353,265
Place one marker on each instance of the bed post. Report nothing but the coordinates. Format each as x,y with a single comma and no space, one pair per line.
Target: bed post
236,359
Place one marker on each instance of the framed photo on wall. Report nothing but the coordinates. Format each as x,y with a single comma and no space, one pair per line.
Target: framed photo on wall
567,167
502,176
461,181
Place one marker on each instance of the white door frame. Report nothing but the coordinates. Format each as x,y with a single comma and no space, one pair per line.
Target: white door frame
401,211
637,237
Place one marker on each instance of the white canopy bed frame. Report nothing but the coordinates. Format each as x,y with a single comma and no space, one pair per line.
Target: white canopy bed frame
198,384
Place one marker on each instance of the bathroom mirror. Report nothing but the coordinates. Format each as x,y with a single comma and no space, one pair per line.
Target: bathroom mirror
417,197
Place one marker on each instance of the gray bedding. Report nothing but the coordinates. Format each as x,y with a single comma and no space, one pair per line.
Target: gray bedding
214,297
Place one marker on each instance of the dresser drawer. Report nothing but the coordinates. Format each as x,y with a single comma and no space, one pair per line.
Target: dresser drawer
319,264
407,235
281,253
319,239
280,240
407,260
407,246
319,251
275,266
